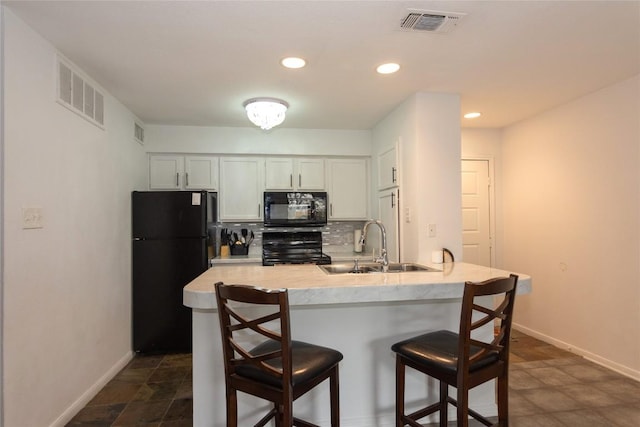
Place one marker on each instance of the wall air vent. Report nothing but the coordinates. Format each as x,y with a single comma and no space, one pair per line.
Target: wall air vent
138,132
79,95
430,21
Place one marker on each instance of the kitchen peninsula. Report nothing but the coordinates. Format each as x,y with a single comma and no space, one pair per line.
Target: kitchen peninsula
361,315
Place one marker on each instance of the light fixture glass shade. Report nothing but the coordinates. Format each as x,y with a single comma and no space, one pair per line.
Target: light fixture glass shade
266,112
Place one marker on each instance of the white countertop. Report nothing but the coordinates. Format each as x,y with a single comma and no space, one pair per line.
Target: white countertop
309,285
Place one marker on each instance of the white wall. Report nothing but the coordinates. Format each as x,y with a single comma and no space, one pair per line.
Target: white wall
571,180
400,126
428,128
438,180
67,304
252,140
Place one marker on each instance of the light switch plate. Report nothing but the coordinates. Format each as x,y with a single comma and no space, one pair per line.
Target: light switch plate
31,218
407,214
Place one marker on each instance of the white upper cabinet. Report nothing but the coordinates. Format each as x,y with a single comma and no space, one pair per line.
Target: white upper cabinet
283,173
348,189
241,188
388,168
310,174
176,172
279,174
201,173
165,172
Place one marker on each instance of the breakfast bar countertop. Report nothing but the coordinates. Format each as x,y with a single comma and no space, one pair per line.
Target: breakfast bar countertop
371,311
309,285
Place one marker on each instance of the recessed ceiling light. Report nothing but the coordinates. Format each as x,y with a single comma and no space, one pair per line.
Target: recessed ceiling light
472,115
388,68
293,62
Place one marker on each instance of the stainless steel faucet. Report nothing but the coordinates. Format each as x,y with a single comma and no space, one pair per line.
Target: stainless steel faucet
383,258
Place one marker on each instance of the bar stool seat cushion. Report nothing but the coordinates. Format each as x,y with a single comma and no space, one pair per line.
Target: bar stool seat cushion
439,352
308,361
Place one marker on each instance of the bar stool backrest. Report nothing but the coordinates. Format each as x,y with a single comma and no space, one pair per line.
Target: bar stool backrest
503,311
243,329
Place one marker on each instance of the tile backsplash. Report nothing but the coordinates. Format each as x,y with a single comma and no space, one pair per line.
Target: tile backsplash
335,233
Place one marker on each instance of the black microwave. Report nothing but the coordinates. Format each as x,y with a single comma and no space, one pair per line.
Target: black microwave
295,208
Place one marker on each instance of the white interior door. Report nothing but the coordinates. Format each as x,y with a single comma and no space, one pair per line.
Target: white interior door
476,212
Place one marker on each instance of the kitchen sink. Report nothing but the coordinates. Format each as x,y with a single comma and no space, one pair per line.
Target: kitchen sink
350,268
363,268
408,266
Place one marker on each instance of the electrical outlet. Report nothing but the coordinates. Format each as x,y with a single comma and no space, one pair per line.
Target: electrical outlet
431,230
31,218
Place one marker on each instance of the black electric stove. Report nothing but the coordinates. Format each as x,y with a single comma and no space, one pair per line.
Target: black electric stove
293,247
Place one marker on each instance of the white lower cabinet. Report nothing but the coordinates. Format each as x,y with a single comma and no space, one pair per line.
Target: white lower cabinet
348,189
241,188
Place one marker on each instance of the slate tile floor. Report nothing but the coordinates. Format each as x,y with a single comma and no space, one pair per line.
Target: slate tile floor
549,387
149,391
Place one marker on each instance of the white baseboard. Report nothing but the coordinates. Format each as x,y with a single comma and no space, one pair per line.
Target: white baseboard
86,397
609,364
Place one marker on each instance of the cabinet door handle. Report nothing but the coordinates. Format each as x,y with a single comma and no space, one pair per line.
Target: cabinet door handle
331,208
258,210
187,178
393,200
299,180
177,179
291,180
393,174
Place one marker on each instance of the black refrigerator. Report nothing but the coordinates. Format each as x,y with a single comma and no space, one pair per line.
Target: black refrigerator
169,249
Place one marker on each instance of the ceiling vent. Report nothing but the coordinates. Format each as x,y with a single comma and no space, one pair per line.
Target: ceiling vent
430,21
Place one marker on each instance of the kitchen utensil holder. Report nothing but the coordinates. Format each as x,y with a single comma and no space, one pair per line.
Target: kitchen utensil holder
239,250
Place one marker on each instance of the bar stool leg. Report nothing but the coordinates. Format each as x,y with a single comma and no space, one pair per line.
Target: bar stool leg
444,395
503,400
463,407
400,369
232,409
335,398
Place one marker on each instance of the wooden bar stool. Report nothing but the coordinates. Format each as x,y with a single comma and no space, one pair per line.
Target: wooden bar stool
273,367
459,360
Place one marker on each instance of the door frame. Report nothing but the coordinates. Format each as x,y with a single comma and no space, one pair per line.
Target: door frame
492,203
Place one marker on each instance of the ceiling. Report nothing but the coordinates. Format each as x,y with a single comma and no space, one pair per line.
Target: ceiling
195,63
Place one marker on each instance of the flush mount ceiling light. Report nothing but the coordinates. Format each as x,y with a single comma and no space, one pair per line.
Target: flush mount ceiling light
293,62
472,115
388,68
266,112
